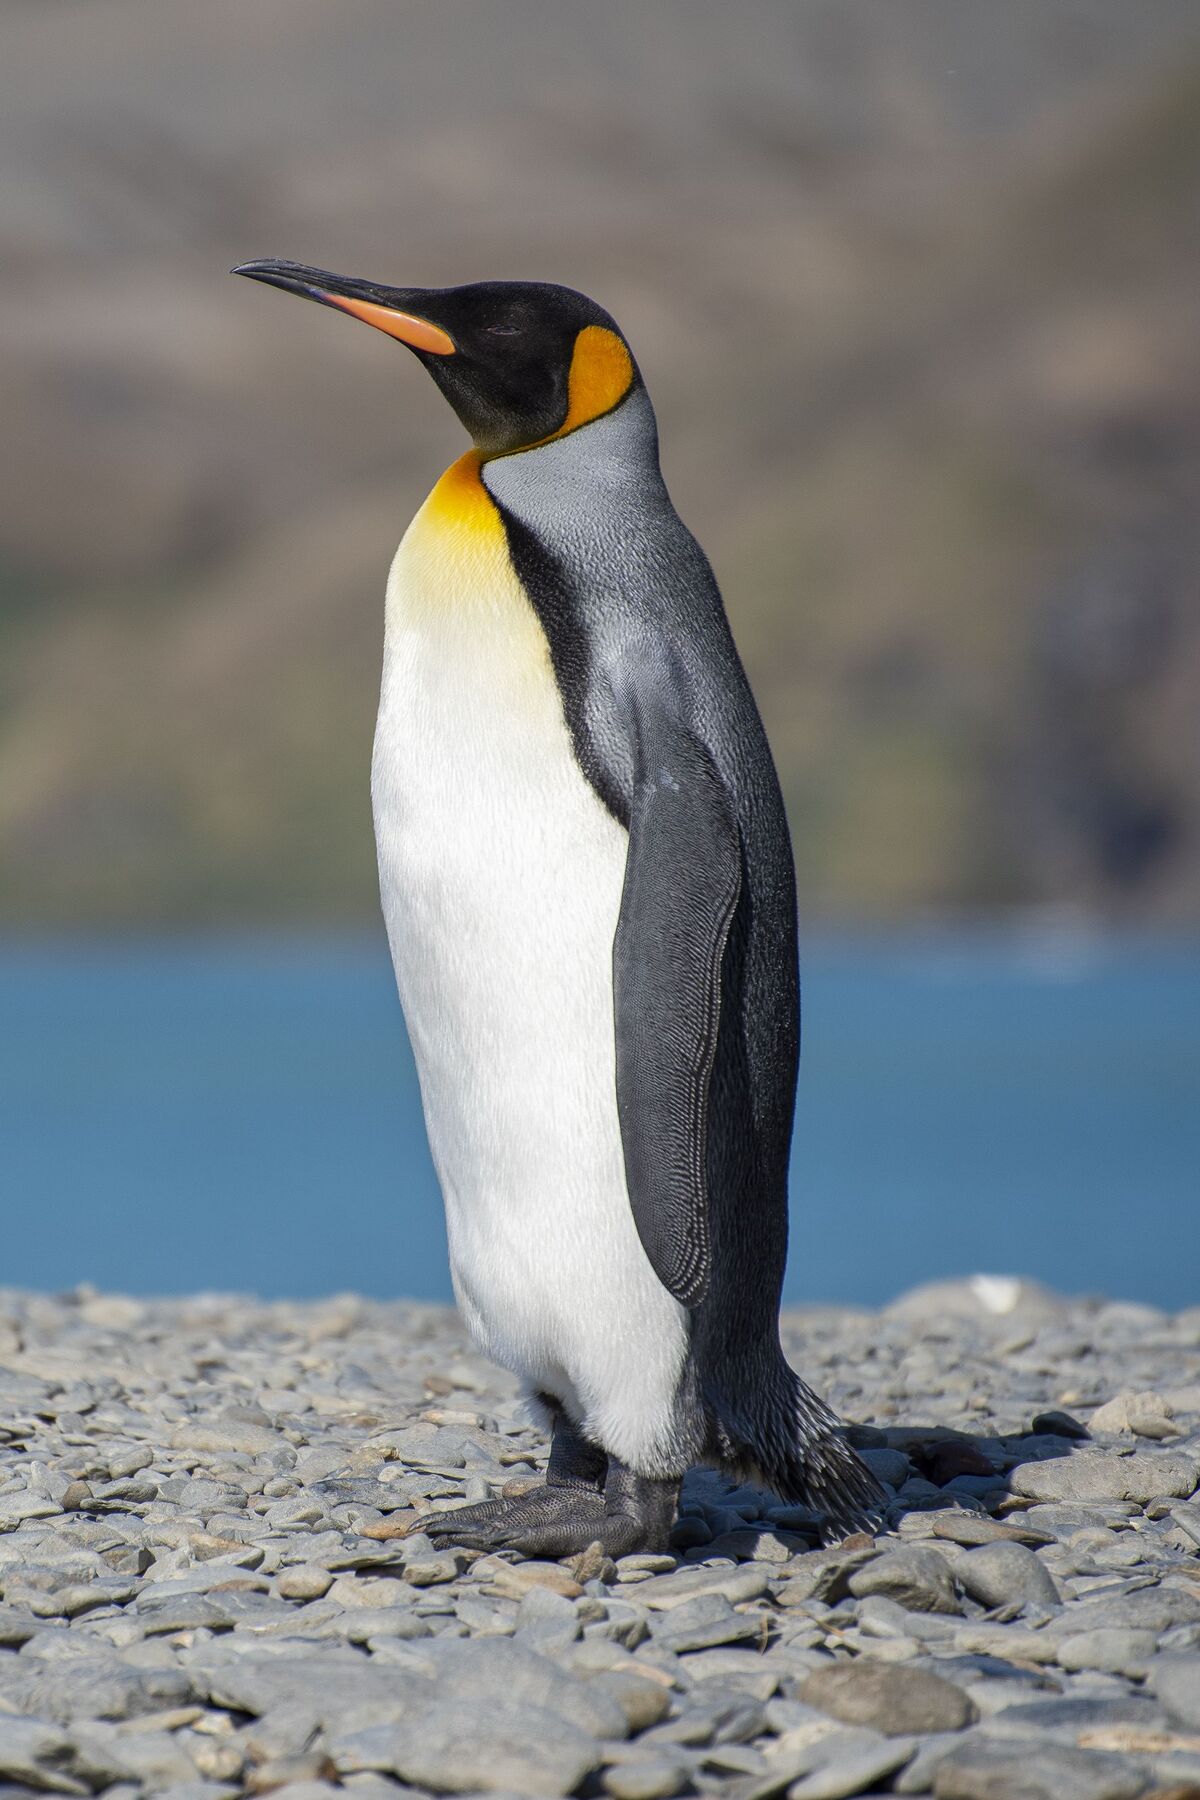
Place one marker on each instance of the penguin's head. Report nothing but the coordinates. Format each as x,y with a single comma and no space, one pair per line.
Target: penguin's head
519,361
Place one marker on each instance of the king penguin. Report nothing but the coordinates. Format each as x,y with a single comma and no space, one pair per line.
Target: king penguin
588,887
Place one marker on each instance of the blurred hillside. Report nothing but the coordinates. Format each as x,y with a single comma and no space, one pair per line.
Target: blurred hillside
914,288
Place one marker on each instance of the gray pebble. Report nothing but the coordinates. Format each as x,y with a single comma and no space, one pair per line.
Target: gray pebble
822,1575
891,1466
1176,1682
303,1581
1104,1475
982,1771
915,1577
745,1672
488,1746
887,1696
1002,1574
847,1763
1062,1720
38,1755
96,1686
702,1623
1111,1650
1058,1424
1145,1609
646,1778
665,1591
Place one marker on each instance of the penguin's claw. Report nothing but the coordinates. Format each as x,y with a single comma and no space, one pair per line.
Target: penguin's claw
462,1522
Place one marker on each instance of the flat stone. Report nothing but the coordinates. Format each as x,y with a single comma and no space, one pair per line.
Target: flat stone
222,1432
1110,1650
1100,1475
1062,1521
915,1577
104,1755
844,1763
887,1696
916,1777
104,1687
732,1671
129,1462
644,1702
516,1579
328,1686
304,1582
486,1747
363,1787
185,1790
1014,1642
981,1771
1176,1682
690,1532
16,1508
186,1612
970,1529
752,1543
1057,1424
891,1466
1062,1720
1003,1574
546,1621
119,1496
879,1617
16,1628
823,1574
703,1623
75,1598
1147,1414
1145,1609
648,1778
38,1755
432,1570
429,1446
663,1592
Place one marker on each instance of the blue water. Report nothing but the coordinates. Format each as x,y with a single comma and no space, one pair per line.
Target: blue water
245,1115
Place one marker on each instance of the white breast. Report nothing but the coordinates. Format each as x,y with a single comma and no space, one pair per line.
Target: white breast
501,873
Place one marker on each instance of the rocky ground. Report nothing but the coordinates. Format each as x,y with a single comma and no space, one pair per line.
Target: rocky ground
206,1589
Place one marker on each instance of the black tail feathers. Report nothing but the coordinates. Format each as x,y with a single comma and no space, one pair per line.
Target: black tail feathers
790,1441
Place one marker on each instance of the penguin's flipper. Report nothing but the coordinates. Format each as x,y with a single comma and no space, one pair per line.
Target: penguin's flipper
682,880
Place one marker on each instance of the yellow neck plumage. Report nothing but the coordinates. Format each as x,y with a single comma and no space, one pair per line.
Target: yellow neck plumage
455,552
601,374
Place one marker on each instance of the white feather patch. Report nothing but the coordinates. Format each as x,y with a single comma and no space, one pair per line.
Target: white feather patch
501,873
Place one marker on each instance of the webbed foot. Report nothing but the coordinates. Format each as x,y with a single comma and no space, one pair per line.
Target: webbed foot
588,1498
547,1521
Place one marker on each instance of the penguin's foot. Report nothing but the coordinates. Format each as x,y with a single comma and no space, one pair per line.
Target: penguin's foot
588,1498
547,1521
632,1513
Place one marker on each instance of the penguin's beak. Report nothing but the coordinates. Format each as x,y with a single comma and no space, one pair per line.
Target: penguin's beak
382,307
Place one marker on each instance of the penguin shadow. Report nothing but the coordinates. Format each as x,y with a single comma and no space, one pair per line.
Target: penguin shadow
922,1469
934,1468
721,1517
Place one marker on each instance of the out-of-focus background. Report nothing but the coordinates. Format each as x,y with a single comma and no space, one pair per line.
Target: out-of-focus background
915,291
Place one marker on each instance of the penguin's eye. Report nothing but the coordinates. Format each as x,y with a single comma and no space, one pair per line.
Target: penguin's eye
504,331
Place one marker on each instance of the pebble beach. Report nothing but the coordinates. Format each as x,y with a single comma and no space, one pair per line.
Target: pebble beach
215,1580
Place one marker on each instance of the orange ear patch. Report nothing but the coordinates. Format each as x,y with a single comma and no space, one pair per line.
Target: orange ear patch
601,374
